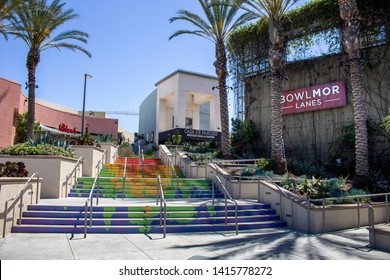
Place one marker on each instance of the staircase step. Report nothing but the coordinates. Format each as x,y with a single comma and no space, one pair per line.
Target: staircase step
147,229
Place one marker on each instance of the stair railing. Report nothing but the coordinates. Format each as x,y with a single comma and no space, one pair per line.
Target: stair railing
143,163
124,178
73,173
174,175
371,221
163,205
226,195
101,161
89,201
19,196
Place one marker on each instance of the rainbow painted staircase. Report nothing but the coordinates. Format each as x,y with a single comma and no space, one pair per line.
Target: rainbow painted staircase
189,208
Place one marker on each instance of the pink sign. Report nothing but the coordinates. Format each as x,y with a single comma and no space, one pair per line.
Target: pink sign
313,98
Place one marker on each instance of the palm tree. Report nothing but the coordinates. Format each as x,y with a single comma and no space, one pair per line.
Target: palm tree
34,23
221,19
349,13
5,12
275,10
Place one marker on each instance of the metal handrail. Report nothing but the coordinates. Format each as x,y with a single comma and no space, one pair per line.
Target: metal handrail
323,202
80,161
89,200
124,178
16,196
101,161
159,190
371,221
174,175
143,163
230,197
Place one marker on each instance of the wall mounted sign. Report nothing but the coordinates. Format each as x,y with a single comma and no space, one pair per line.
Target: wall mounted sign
201,134
318,97
64,128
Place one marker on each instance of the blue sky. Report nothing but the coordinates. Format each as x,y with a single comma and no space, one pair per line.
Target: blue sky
131,52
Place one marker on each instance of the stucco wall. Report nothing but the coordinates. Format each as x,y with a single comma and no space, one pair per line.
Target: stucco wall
13,102
312,135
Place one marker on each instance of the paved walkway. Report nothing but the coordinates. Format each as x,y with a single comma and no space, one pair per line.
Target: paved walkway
265,244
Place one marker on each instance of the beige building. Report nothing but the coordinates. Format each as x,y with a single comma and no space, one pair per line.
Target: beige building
184,102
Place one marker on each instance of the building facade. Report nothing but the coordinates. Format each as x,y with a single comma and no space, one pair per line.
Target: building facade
52,117
317,107
184,103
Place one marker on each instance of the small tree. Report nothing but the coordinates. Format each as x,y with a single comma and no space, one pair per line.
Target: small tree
21,128
243,137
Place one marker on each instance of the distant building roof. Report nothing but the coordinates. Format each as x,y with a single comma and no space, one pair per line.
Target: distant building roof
186,72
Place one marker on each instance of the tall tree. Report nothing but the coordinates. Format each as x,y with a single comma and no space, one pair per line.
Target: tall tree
220,19
349,13
6,8
34,23
275,10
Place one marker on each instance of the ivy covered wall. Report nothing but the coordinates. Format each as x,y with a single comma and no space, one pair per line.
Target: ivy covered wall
316,135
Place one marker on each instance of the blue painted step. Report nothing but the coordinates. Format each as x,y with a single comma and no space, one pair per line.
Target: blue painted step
145,219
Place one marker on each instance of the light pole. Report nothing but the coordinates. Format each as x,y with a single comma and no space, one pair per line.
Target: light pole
85,91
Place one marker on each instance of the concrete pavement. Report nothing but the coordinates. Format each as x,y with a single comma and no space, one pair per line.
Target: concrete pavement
264,244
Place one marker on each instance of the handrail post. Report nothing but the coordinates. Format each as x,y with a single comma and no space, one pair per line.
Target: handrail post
371,220
358,212
239,187
38,193
226,216
323,215
143,164
124,178
85,218
20,208
5,218
213,191
387,209
308,213
258,189
98,190
90,211
236,208
157,191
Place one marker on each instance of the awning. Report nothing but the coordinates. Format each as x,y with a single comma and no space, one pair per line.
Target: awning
57,131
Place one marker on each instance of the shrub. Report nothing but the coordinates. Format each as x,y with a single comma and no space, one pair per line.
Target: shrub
29,149
265,163
13,169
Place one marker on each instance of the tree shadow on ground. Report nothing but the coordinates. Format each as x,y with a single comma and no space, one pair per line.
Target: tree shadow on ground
288,245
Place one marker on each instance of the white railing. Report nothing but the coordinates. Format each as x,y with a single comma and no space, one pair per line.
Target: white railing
163,205
74,174
124,178
89,201
19,196
227,196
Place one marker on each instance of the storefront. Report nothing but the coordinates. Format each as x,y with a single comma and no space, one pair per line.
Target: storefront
53,118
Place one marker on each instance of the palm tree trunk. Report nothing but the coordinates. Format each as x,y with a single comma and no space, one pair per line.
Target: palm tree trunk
360,116
276,60
221,71
351,31
33,59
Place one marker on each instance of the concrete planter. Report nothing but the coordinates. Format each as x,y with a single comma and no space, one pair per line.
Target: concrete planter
112,152
91,155
52,169
293,209
9,187
188,167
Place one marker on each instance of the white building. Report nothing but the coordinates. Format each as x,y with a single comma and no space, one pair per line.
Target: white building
184,102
